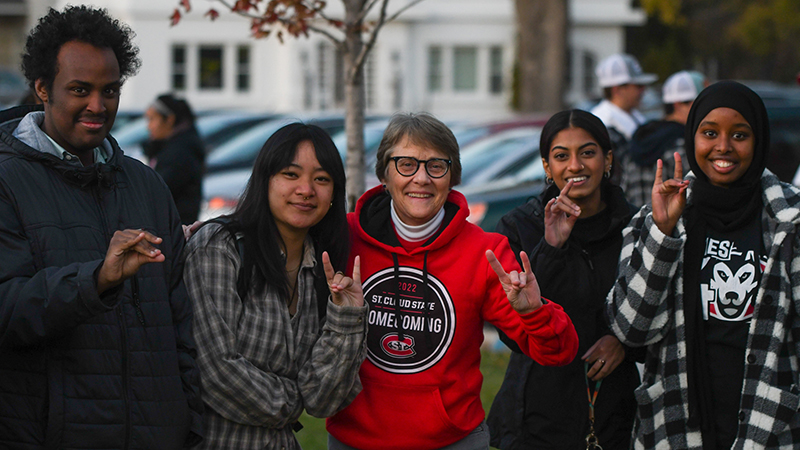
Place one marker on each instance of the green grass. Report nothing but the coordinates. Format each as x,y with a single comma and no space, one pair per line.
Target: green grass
493,366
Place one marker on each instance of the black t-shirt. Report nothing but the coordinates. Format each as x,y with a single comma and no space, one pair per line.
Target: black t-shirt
729,277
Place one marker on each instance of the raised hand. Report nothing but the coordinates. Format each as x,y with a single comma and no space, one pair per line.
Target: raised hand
669,197
603,357
127,252
345,291
560,215
521,289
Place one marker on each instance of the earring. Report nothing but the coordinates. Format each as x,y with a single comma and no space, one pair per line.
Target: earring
608,172
548,180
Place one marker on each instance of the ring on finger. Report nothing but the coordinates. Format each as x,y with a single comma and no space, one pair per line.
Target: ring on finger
602,361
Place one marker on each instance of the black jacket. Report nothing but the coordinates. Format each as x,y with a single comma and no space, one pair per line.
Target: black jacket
78,370
180,160
541,407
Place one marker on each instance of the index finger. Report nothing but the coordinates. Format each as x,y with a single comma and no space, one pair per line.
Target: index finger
659,173
357,270
497,267
566,189
326,263
526,262
148,236
678,166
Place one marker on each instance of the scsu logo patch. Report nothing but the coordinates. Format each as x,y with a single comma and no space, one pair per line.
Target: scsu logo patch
393,346
411,322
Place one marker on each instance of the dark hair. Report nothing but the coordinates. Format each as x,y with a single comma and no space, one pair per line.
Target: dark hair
573,118
167,105
669,108
264,266
421,129
76,23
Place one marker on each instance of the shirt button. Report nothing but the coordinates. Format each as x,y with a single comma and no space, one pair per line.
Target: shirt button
741,416
751,358
68,157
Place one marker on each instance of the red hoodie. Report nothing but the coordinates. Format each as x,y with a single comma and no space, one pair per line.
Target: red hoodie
421,378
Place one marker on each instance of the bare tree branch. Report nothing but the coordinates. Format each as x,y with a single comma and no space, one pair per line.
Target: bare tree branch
336,41
402,10
358,64
366,10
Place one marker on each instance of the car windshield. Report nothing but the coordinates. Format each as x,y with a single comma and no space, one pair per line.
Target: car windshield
245,147
479,155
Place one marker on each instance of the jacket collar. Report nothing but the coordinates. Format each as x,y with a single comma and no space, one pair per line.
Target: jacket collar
102,174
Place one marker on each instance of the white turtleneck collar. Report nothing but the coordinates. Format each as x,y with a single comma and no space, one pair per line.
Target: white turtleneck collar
412,233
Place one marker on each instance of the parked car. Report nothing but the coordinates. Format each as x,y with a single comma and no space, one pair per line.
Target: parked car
241,151
490,201
215,128
12,87
486,159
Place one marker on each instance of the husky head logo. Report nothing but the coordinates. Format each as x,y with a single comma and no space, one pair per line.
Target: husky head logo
732,292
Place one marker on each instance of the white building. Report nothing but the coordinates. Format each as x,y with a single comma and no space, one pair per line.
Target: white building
450,57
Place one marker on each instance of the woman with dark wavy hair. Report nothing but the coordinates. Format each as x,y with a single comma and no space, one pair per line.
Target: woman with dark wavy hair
278,330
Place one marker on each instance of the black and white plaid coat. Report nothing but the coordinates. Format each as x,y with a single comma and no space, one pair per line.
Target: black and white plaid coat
645,308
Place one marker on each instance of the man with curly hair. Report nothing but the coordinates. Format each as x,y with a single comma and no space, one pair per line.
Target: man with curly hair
96,347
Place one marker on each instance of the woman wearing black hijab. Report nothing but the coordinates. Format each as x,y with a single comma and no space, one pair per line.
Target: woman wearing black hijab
709,281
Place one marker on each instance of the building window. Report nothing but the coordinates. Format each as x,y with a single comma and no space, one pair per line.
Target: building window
243,68
496,70
210,68
434,69
179,67
465,68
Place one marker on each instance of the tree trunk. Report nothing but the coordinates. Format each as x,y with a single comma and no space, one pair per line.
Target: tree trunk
542,52
354,103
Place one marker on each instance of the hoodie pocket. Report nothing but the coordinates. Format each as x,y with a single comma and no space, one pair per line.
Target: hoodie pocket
414,415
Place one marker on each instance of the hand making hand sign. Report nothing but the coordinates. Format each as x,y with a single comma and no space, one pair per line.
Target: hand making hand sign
521,288
345,291
560,215
669,197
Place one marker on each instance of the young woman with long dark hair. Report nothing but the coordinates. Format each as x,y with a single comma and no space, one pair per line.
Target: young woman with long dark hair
278,330
573,233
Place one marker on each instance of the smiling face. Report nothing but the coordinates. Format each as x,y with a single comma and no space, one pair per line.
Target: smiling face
575,155
81,106
300,194
418,198
723,146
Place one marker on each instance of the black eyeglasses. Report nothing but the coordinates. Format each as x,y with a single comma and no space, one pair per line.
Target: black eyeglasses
408,166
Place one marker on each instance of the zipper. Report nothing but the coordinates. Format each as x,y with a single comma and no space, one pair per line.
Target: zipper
588,258
120,317
125,375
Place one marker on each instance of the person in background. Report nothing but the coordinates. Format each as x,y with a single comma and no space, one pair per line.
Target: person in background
431,280
276,334
96,346
623,82
661,138
573,232
177,153
709,283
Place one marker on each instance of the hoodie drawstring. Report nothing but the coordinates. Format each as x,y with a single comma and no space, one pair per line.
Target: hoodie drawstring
398,320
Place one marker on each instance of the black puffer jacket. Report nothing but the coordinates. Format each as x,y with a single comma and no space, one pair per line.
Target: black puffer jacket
180,160
541,407
78,370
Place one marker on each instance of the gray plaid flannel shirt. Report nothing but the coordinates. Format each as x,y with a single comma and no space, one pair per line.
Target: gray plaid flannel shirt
645,308
260,367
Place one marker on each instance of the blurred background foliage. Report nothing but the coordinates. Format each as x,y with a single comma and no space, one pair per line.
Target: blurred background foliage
741,39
